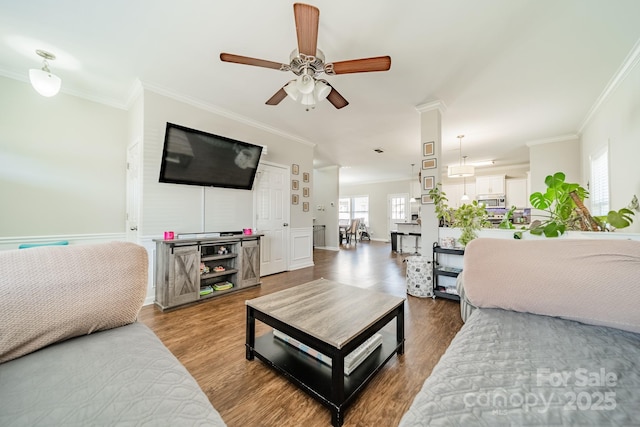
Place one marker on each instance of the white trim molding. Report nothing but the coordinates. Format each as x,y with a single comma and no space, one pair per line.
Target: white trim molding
629,63
7,243
301,248
432,105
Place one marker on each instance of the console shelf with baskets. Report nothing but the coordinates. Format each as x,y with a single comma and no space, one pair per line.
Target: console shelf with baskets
445,271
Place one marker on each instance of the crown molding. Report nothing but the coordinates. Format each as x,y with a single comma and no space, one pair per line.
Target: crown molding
561,138
22,77
432,105
630,62
203,105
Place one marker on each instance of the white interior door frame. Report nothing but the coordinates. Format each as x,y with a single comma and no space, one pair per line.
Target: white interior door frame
272,193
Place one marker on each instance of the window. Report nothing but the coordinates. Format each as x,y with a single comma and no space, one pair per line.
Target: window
353,207
344,211
599,191
398,209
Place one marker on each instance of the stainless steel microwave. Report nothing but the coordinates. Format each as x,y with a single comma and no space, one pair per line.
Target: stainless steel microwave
492,200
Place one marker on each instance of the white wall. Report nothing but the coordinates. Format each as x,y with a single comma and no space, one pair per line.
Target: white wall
617,123
62,164
325,195
560,156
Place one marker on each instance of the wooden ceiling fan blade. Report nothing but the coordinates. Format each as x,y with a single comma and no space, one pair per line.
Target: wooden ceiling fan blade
238,59
336,99
307,18
277,97
379,63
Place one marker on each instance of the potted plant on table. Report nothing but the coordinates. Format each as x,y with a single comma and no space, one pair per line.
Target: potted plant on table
563,204
470,218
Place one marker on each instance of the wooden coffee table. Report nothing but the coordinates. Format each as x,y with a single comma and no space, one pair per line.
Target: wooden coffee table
333,319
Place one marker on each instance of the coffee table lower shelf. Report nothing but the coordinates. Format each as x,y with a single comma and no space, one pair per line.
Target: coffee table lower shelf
314,377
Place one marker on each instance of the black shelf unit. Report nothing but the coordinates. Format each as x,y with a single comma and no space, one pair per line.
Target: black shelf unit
439,270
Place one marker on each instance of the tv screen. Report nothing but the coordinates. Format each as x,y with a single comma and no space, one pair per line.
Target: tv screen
194,157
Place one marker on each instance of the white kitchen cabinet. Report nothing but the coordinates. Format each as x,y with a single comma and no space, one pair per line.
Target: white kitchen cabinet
490,184
454,193
517,193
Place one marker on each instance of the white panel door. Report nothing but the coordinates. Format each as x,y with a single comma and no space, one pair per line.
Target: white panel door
272,217
133,192
397,210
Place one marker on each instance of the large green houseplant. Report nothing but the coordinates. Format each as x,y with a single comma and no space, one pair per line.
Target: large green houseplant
470,218
564,210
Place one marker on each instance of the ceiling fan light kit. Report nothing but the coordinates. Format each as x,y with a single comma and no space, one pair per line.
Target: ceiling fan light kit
308,63
43,80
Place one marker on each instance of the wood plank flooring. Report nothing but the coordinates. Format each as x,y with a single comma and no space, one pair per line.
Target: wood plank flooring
208,338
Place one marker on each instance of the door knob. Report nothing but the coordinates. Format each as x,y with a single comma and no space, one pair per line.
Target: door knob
133,228
286,224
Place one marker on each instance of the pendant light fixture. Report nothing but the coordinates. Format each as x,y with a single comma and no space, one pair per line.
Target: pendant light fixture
461,170
43,80
465,197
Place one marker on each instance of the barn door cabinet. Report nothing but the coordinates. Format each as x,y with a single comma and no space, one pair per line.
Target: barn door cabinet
192,270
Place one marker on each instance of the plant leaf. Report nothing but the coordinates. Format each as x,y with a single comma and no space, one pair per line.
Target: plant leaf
539,201
554,181
554,229
621,219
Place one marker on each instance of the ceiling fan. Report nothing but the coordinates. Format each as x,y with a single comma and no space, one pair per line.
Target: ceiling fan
308,63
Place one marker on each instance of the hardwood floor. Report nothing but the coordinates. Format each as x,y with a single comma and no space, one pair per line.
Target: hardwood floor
208,338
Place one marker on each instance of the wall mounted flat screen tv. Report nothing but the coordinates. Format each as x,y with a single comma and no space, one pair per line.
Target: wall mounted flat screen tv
194,157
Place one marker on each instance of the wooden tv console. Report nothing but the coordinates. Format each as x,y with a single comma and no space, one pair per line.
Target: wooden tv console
188,269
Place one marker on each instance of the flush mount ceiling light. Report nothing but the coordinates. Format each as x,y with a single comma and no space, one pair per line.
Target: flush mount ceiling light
462,170
43,80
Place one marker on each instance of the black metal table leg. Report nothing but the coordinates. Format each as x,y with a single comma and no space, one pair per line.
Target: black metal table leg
400,328
250,334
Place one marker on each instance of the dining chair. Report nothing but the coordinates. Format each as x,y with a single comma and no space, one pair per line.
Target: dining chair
353,231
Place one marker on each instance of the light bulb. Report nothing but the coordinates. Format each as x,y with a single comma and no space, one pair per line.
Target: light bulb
292,90
305,84
308,99
321,90
44,82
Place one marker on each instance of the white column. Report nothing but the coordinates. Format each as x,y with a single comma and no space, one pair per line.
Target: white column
430,130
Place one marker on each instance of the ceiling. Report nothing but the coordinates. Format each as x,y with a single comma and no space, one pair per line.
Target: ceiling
508,72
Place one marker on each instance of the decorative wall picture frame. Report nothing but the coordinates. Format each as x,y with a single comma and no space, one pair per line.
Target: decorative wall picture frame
305,192
305,206
305,176
430,163
426,199
428,149
295,184
428,182
295,169
295,199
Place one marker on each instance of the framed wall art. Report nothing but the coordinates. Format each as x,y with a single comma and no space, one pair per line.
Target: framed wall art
428,149
426,199
429,163
295,199
305,176
295,169
295,184
305,191
305,206
428,182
